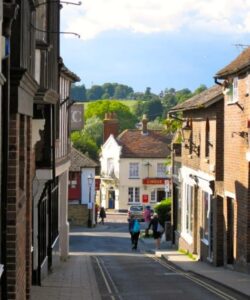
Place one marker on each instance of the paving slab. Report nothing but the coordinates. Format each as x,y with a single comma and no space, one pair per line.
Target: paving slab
69,281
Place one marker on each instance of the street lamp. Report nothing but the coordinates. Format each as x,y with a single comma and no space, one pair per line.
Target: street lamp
90,182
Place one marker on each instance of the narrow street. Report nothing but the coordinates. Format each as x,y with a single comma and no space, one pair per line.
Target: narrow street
121,273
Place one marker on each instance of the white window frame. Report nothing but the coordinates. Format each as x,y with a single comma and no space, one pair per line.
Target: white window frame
247,80
232,93
161,170
206,217
133,195
153,196
133,170
110,166
188,210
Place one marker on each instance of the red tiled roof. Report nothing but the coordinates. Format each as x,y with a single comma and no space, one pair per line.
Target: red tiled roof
240,63
134,144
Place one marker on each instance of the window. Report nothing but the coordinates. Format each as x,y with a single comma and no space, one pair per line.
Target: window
161,170
207,137
247,84
133,194
205,215
110,166
232,91
189,209
133,170
153,196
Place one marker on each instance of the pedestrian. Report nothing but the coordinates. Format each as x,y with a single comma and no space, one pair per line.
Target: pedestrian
102,215
158,230
147,219
134,229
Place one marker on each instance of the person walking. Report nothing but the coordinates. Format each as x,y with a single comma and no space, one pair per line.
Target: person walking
157,230
147,219
102,215
134,229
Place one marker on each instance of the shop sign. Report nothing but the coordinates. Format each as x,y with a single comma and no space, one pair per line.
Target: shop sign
153,181
144,198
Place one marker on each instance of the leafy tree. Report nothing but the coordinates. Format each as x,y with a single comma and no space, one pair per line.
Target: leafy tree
85,144
99,108
109,88
122,91
152,109
94,129
138,109
157,124
78,92
163,210
183,95
200,89
147,94
95,92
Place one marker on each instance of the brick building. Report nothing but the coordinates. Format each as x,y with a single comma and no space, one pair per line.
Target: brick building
34,152
197,209
235,83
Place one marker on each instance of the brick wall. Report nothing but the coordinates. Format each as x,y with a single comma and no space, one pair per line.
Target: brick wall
78,214
236,169
110,126
18,237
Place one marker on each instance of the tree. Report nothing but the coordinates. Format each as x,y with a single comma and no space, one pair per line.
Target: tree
109,88
78,92
99,108
94,128
85,144
152,109
183,95
95,92
147,94
200,89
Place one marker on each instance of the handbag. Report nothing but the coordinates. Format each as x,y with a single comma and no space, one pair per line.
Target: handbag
136,227
159,228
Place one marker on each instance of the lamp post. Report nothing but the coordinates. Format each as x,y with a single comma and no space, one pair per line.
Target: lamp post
90,182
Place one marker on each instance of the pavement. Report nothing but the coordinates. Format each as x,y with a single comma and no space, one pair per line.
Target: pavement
74,279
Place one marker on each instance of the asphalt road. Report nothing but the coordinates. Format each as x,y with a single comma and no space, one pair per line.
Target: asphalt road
122,273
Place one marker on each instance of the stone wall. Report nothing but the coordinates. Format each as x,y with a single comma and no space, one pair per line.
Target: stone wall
78,214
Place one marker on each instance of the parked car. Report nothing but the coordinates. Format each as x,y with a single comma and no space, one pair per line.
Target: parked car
137,210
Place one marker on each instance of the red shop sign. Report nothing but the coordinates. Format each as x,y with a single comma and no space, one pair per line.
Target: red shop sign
153,181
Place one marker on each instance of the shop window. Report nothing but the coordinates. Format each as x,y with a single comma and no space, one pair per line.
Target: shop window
133,194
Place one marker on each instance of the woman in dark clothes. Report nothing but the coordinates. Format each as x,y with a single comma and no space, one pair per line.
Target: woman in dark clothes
157,230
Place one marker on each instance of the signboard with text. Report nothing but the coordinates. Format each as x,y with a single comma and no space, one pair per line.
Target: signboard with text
153,181
76,117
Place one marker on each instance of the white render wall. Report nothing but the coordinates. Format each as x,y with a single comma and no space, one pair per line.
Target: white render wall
144,172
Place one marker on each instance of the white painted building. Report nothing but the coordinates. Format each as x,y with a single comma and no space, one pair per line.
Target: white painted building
133,166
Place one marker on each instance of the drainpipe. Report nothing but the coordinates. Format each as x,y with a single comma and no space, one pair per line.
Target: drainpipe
217,82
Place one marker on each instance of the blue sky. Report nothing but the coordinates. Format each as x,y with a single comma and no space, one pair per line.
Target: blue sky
153,43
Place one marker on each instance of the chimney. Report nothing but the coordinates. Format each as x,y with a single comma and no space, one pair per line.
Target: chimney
144,125
110,125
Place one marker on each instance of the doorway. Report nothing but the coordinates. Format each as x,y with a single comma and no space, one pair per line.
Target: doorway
161,195
230,230
111,199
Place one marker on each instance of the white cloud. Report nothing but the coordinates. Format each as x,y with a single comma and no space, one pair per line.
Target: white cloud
148,16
